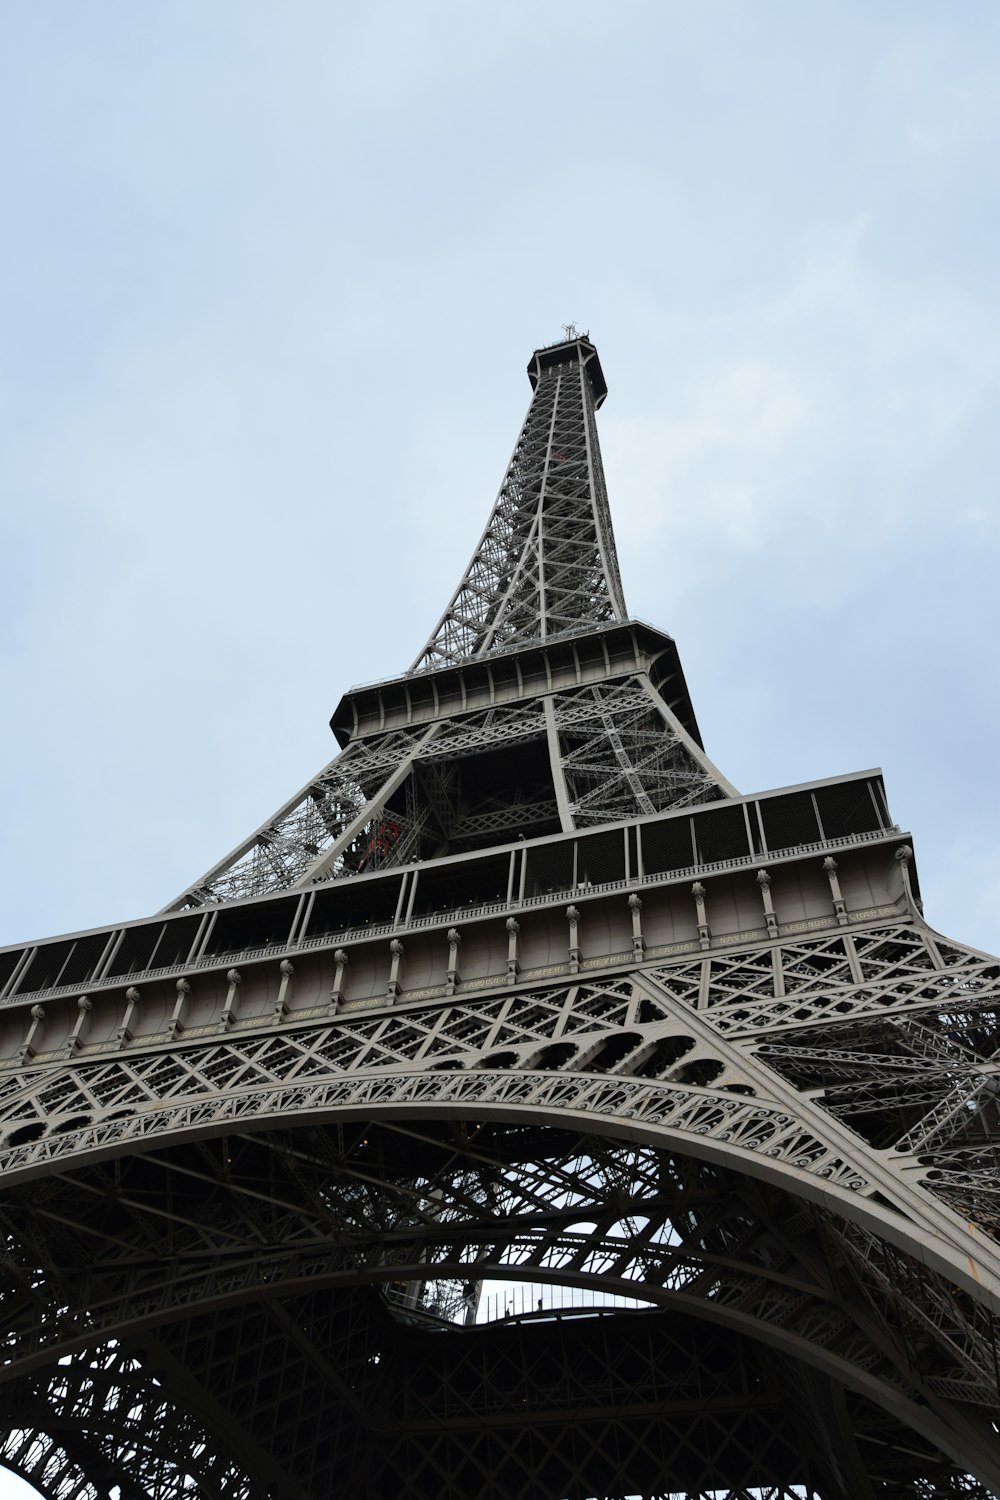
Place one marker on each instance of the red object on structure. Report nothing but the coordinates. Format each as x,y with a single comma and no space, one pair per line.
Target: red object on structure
381,841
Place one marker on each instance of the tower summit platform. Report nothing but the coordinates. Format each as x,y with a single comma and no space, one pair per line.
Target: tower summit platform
577,348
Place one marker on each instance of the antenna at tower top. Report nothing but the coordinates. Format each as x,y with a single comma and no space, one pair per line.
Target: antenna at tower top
569,329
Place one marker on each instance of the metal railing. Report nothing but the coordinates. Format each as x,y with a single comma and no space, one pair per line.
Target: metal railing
452,915
523,1300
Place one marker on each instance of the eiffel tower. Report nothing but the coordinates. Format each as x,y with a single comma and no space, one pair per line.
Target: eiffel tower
521,1112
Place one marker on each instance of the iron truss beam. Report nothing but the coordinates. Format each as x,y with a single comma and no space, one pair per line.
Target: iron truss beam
546,562
754,1206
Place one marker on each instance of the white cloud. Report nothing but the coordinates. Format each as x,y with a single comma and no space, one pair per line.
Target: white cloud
264,366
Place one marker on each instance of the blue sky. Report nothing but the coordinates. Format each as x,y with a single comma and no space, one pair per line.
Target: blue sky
269,278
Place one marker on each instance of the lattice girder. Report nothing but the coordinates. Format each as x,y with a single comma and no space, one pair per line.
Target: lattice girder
609,751
546,562
712,1202
653,1044
545,569
919,985
103,1404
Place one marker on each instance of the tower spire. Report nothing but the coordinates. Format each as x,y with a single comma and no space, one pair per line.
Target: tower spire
546,563
535,708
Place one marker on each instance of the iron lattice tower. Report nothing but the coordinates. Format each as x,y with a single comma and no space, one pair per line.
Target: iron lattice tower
518,990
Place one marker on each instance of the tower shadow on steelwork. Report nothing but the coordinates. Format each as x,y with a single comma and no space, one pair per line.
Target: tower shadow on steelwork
518,992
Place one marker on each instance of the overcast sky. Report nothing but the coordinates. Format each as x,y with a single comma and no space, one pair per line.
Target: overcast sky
269,279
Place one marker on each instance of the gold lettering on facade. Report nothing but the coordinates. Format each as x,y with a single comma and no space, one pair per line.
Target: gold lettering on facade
753,935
